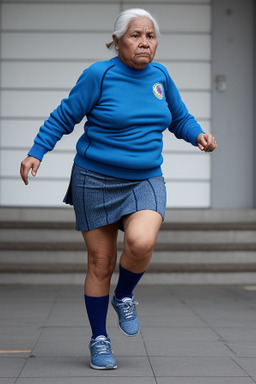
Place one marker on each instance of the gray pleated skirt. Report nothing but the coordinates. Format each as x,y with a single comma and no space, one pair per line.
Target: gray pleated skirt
100,200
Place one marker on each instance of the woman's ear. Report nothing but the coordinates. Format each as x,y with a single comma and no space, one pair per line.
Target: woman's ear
116,42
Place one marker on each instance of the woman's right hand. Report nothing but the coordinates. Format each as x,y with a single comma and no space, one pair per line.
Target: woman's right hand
29,163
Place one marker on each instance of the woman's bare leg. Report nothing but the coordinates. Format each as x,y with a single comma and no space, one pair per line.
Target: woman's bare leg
101,245
102,253
140,233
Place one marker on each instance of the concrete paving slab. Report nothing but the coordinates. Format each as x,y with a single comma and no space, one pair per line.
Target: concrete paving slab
10,367
179,334
24,306
68,320
88,380
208,302
69,308
231,334
189,349
65,292
46,293
205,380
195,366
223,315
22,337
224,319
62,341
7,381
248,364
68,314
243,348
184,342
79,367
168,317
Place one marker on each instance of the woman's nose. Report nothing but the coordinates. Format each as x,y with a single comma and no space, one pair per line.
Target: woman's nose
143,42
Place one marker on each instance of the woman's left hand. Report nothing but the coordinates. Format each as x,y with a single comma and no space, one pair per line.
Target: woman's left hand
206,142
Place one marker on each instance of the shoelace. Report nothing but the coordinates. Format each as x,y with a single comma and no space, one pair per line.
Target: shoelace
102,346
128,308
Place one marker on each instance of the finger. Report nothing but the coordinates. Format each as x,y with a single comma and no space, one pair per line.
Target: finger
204,140
211,146
202,143
200,146
24,174
35,167
211,143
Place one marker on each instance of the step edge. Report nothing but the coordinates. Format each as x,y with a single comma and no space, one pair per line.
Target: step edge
160,247
166,226
65,268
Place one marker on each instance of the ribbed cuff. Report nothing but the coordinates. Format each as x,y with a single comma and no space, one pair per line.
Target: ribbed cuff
193,138
38,151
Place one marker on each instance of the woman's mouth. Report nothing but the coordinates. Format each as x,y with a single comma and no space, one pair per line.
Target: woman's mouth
144,54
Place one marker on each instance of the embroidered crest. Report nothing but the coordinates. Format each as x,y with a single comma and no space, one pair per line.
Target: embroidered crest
158,90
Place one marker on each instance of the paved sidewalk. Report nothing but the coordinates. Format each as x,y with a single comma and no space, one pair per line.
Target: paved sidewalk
189,335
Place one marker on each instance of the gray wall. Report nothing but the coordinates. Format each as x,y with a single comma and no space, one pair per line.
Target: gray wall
232,110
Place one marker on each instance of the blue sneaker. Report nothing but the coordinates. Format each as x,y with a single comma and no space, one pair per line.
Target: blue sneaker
101,354
126,311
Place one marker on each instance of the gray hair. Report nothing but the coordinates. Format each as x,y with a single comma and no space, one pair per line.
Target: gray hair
122,22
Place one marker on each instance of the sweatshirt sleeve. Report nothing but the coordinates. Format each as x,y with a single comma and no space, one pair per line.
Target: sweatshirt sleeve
184,125
70,112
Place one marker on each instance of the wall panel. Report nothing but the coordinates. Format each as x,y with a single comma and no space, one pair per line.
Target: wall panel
52,16
188,194
198,103
184,47
54,166
55,46
20,133
39,193
193,18
34,75
26,103
190,75
191,166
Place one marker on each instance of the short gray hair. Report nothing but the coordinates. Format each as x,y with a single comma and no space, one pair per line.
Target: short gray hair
123,20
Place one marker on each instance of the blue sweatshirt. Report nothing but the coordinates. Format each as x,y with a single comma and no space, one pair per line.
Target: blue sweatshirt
127,111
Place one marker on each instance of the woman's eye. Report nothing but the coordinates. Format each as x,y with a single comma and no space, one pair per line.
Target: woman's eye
134,35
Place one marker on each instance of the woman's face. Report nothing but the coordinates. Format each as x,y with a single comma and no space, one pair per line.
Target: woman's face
138,45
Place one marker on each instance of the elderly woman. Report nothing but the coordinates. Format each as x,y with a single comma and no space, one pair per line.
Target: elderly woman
116,181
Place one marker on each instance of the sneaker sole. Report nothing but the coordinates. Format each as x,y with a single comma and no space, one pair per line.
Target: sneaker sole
127,334
108,367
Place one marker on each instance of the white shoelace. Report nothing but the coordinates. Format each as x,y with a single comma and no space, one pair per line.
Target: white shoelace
103,346
128,308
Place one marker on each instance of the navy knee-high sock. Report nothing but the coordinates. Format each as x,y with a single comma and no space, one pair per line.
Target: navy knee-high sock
97,308
126,283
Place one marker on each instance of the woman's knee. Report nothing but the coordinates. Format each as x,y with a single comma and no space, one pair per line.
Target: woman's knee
101,264
139,246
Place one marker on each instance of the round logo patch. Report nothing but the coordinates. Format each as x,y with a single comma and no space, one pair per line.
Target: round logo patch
158,90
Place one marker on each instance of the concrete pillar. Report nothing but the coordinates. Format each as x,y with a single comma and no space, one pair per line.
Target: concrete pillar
233,172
